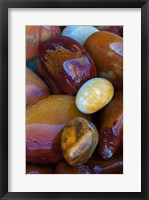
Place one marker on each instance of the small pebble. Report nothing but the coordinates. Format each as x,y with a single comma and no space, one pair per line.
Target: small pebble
94,95
78,141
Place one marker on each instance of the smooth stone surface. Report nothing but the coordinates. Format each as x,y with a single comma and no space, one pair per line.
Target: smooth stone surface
94,95
65,168
79,33
106,49
110,127
112,166
66,65
78,141
36,88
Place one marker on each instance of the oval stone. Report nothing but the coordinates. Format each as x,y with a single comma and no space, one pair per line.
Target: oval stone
106,50
78,141
94,95
66,65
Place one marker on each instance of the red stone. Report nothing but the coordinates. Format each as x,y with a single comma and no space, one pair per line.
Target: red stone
66,65
111,127
118,30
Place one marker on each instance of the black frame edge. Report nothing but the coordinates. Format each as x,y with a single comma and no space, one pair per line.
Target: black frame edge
4,100
74,3
144,97
1,182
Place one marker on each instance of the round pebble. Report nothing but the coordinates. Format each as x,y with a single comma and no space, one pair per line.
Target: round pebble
94,95
79,139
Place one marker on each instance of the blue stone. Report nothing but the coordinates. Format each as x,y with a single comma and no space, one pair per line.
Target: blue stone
32,64
79,33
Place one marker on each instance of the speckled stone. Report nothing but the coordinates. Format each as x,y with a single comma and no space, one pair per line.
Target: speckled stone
94,95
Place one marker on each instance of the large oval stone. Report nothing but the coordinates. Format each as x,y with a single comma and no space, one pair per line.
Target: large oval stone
66,65
106,50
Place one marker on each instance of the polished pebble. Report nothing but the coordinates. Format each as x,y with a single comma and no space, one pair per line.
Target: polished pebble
66,64
79,33
110,126
94,95
106,50
112,166
36,88
78,141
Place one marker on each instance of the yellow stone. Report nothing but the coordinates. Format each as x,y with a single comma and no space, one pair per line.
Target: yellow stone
94,95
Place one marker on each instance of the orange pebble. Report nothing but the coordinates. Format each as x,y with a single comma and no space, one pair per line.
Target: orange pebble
106,49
